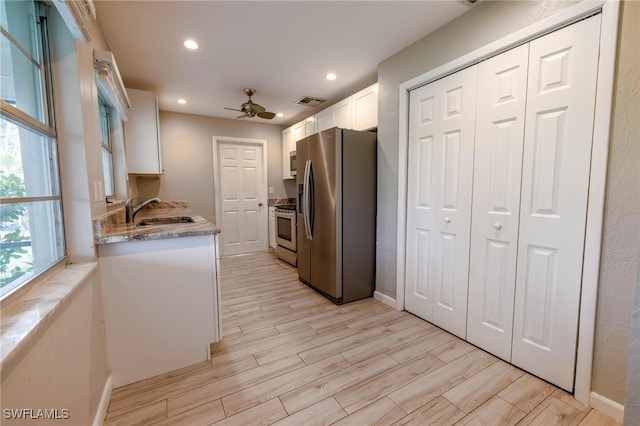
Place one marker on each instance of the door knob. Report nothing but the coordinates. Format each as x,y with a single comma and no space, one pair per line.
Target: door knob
259,204
447,219
498,226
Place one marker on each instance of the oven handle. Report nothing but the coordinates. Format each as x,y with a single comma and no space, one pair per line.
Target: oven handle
305,199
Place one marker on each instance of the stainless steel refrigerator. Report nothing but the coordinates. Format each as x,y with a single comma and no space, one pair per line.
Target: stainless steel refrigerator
337,213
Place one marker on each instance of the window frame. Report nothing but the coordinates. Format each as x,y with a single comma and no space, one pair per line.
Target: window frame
106,130
46,129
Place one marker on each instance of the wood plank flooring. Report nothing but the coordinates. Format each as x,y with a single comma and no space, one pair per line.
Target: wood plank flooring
291,357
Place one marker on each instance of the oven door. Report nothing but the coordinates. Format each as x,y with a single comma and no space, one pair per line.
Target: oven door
286,230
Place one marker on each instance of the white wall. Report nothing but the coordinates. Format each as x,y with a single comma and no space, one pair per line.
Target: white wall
187,157
65,366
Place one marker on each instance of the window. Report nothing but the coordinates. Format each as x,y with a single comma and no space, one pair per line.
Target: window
31,231
107,150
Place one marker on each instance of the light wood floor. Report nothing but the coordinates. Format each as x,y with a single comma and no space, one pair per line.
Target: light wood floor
290,357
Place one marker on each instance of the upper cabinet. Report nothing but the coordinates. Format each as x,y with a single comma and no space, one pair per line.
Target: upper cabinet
324,120
364,105
288,145
142,134
357,112
342,114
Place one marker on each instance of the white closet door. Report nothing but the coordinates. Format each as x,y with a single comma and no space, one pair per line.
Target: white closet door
440,173
502,88
555,180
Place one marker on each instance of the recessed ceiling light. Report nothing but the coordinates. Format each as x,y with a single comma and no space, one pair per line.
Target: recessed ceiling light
190,44
279,114
331,76
182,101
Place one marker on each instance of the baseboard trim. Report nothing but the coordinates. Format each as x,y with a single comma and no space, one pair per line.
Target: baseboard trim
387,300
98,420
607,406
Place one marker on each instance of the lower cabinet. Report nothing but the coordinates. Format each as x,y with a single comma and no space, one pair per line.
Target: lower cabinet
161,303
272,227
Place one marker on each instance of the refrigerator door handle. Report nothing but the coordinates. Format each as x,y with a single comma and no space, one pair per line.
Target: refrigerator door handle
305,199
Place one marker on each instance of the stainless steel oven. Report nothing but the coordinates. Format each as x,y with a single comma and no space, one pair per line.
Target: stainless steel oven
286,233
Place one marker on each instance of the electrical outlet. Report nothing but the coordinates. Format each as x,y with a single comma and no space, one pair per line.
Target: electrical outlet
271,190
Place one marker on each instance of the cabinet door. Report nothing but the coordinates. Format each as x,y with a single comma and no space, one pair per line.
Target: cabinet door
272,227
555,182
287,142
309,126
502,87
142,135
441,139
342,114
365,108
298,133
324,120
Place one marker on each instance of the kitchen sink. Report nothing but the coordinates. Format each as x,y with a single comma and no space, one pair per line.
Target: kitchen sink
165,220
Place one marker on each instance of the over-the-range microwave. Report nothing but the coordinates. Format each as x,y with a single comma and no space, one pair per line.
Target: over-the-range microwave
292,163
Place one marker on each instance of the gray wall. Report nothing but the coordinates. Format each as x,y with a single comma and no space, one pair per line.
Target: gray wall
483,24
187,157
621,237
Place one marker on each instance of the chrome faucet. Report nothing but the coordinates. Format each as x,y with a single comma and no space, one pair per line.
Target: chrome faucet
131,212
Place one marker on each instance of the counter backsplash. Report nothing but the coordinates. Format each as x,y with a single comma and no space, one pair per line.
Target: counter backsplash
117,217
276,201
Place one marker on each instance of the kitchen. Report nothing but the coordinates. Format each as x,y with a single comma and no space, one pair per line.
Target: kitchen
187,152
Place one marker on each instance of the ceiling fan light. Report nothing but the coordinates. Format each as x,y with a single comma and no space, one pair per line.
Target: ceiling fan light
190,44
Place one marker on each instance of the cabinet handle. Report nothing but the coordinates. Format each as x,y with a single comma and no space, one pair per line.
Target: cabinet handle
447,219
498,226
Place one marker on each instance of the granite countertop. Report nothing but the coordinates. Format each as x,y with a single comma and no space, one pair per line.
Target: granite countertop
112,229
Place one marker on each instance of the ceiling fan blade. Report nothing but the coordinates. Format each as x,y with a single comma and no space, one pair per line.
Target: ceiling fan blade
233,109
266,115
244,116
257,108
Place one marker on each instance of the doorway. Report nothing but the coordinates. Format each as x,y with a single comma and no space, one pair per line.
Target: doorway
240,194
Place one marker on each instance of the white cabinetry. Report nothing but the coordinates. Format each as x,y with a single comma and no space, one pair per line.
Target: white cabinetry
342,112
357,112
364,105
272,227
324,120
142,134
161,304
309,126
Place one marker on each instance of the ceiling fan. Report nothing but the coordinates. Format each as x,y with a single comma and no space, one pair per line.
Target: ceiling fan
251,109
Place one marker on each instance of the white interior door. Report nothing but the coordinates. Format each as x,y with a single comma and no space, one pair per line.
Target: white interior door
440,172
502,88
555,182
243,198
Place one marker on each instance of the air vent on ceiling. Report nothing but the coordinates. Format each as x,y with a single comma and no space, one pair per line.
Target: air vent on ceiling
309,101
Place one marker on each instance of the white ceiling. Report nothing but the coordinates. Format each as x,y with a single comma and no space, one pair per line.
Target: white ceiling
283,49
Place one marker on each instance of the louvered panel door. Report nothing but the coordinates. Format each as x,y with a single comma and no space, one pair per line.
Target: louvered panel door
502,86
440,173
555,181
